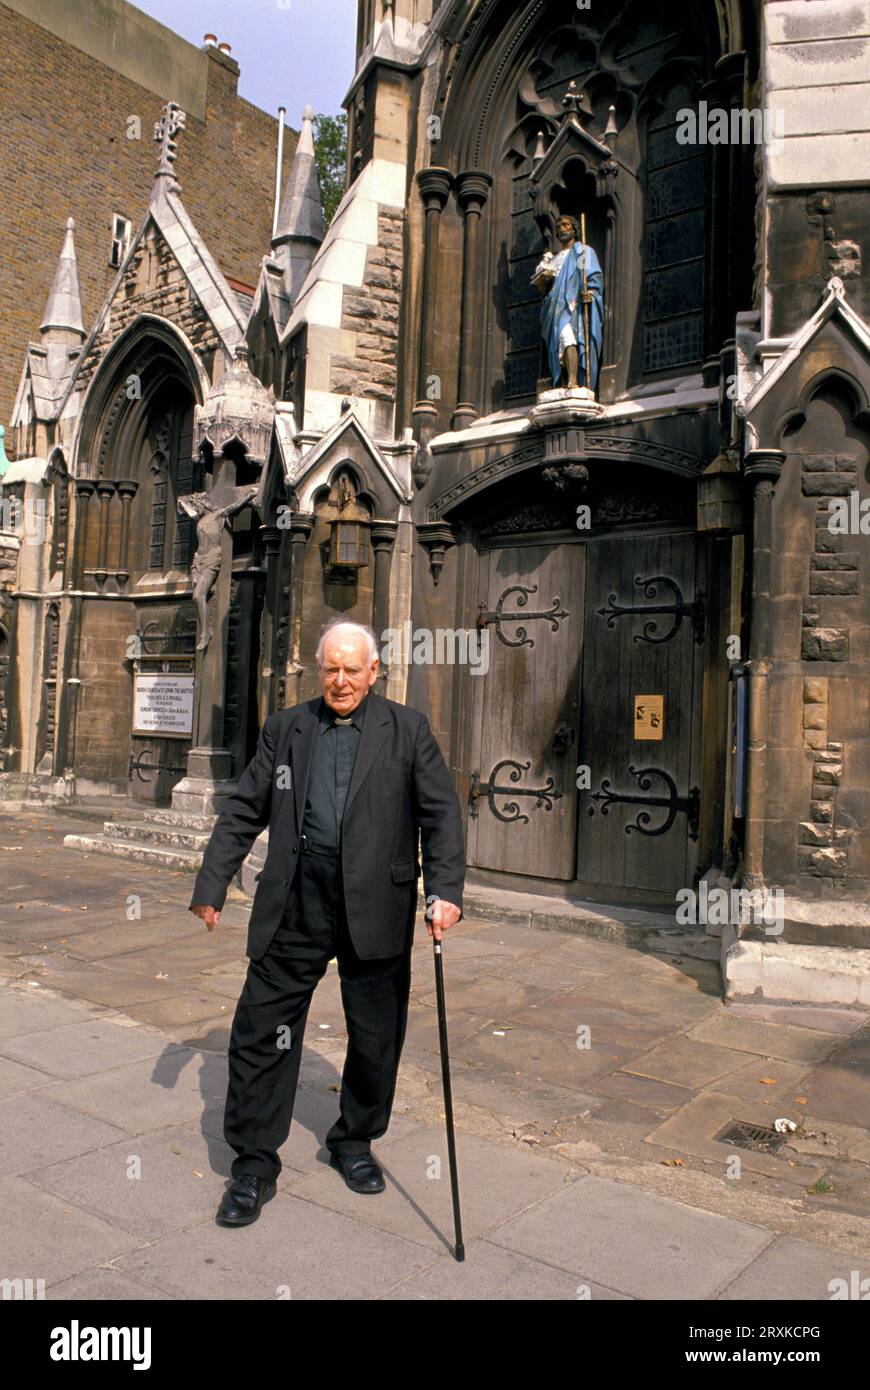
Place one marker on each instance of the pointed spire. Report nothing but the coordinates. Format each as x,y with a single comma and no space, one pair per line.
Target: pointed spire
64,308
300,217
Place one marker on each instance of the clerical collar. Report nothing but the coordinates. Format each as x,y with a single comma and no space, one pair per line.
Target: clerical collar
329,718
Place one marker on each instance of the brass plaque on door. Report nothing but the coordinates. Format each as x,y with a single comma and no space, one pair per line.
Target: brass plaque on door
649,717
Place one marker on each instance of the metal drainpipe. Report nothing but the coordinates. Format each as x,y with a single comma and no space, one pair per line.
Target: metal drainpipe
763,467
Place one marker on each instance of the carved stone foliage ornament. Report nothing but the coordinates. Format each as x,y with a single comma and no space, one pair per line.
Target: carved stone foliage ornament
238,414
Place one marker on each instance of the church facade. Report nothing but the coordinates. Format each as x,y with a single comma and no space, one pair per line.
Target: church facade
570,403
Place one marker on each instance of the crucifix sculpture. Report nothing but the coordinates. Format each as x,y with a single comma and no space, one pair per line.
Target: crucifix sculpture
212,511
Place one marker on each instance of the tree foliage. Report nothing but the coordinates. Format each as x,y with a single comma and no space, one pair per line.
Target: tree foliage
330,154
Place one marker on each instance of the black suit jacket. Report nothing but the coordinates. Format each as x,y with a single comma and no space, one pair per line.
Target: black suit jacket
400,791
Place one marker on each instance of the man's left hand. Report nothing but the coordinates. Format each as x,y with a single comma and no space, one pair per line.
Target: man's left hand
440,916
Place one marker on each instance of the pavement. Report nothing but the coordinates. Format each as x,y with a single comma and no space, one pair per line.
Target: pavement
594,1083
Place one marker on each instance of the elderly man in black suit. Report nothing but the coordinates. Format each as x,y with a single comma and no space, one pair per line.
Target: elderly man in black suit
346,783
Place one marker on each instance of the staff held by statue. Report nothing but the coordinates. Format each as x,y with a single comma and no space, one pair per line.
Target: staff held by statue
585,300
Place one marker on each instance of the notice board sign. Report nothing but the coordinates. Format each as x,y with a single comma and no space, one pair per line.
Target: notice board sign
649,717
163,704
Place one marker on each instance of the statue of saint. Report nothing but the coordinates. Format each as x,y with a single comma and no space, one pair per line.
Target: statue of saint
572,315
212,511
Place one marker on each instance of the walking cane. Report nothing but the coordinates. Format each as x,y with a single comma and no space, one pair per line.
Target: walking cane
459,1248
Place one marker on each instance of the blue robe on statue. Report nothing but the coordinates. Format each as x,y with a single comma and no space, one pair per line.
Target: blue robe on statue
562,318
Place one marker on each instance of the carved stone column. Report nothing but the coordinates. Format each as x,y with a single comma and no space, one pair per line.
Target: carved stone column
272,547
127,489
67,707
301,525
434,185
762,468
105,492
472,190
85,489
383,538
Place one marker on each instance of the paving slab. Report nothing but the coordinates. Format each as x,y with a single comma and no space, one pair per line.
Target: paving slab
780,1040
517,941
565,1013
802,1016
81,1049
148,1185
517,1103
45,1237
105,1285
421,1035
487,995
15,1078
795,1269
95,982
538,1054
494,1181
676,995
495,1274
688,1062
296,1251
658,1095
27,1008
117,939
141,1096
596,1229
765,1081
554,971
177,1014
315,1111
35,1126
839,1089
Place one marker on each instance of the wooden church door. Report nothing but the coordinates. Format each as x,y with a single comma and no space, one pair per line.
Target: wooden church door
523,800
585,726
640,726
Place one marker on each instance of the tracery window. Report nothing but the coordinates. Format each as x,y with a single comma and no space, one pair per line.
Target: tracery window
673,297
523,301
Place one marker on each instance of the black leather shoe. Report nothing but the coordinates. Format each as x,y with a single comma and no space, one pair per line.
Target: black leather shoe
241,1203
360,1172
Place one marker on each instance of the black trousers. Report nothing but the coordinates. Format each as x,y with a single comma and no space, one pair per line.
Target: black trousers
269,1024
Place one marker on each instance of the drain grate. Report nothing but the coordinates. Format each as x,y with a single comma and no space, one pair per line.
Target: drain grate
759,1138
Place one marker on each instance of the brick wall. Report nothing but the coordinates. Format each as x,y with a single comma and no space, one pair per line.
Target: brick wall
65,152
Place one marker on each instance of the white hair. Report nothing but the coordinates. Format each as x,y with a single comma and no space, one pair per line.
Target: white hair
345,625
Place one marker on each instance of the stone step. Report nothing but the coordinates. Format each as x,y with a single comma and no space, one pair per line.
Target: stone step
626,926
187,860
163,836
185,820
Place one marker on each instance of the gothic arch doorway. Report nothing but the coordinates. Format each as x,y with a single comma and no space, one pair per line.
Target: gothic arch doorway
135,621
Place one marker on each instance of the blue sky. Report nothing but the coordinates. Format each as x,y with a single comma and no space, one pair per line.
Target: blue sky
290,51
